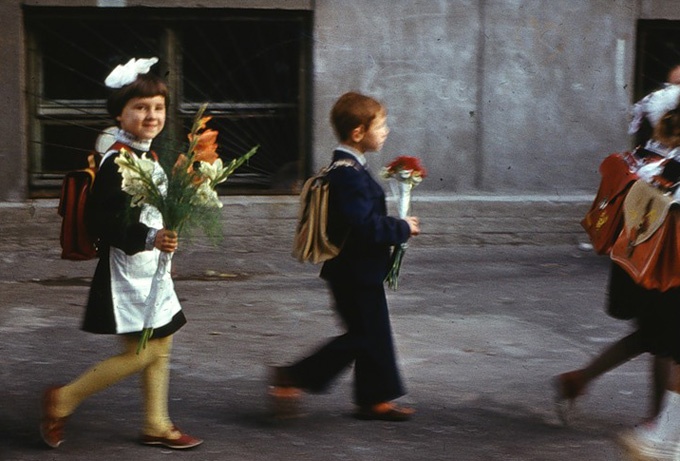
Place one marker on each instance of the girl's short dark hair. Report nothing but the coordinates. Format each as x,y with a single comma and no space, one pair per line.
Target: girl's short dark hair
353,110
667,131
145,86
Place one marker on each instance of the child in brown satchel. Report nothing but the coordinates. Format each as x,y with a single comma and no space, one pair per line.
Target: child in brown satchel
357,222
130,242
658,109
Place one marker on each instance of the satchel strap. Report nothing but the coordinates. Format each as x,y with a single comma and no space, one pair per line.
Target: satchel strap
343,162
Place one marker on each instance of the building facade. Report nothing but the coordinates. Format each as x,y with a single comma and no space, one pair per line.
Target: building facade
498,97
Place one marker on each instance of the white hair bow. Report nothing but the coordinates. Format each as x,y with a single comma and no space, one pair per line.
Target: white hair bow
654,106
124,75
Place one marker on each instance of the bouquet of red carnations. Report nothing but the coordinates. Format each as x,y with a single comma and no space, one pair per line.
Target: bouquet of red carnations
407,173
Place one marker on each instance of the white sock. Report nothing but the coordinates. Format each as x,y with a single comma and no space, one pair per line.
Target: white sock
667,424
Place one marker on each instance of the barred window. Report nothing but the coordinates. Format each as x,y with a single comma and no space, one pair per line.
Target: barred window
658,50
249,66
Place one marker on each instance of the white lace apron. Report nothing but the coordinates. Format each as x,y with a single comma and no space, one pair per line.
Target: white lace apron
131,277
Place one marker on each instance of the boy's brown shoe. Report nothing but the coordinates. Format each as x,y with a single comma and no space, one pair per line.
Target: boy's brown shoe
284,396
385,411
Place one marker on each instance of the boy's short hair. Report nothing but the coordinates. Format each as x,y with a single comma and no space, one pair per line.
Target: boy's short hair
353,110
145,86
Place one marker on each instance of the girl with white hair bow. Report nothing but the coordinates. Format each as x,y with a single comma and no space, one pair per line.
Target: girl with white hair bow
132,241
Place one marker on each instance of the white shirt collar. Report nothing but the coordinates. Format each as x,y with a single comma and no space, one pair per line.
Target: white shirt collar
130,140
661,149
361,158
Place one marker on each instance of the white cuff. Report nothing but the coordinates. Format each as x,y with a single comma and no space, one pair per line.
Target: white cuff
151,239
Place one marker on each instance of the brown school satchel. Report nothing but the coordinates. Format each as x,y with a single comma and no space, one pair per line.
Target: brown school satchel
648,248
76,242
604,219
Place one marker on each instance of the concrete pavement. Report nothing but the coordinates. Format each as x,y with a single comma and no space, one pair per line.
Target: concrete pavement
480,330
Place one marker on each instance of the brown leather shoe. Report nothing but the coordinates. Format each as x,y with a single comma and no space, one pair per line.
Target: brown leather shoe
568,387
183,442
284,396
51,426
385,411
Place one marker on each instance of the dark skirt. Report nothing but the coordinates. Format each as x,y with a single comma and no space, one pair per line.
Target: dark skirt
656,313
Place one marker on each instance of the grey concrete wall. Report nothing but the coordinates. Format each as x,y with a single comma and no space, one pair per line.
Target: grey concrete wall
421,59
13,156
499,97
256,224
557,86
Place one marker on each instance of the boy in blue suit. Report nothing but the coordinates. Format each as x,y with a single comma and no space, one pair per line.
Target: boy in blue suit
358,221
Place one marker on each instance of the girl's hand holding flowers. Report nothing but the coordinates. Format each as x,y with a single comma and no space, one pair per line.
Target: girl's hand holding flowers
166,240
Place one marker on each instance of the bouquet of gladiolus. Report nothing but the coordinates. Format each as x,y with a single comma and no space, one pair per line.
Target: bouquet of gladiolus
185,196
407,173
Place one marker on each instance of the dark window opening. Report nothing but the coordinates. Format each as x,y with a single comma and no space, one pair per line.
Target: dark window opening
658,50
250,66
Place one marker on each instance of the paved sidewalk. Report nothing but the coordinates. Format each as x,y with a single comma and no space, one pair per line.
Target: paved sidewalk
480,331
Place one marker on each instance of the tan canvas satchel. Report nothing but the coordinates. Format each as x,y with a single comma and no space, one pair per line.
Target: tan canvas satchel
311,241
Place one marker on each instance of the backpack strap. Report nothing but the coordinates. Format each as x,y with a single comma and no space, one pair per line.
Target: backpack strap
345,162
92,163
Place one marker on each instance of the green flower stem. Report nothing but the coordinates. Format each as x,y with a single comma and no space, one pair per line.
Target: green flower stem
152,302
144,339
392,278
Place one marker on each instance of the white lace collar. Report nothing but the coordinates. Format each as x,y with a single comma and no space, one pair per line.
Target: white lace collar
129,140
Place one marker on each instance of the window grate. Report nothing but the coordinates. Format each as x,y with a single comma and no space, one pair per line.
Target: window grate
250,66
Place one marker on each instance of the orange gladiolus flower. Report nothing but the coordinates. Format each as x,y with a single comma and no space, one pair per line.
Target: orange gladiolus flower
206,146
180,162
183,162
203,122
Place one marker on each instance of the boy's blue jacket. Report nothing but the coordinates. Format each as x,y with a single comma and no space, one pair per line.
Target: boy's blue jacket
357,216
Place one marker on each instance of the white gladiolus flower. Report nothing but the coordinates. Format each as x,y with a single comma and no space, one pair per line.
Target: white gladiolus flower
137,173
213,172
206,196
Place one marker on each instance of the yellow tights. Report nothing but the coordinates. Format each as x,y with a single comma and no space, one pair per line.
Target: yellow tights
153,364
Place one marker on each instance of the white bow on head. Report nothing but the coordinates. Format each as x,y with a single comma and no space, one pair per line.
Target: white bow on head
654,106
124,75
